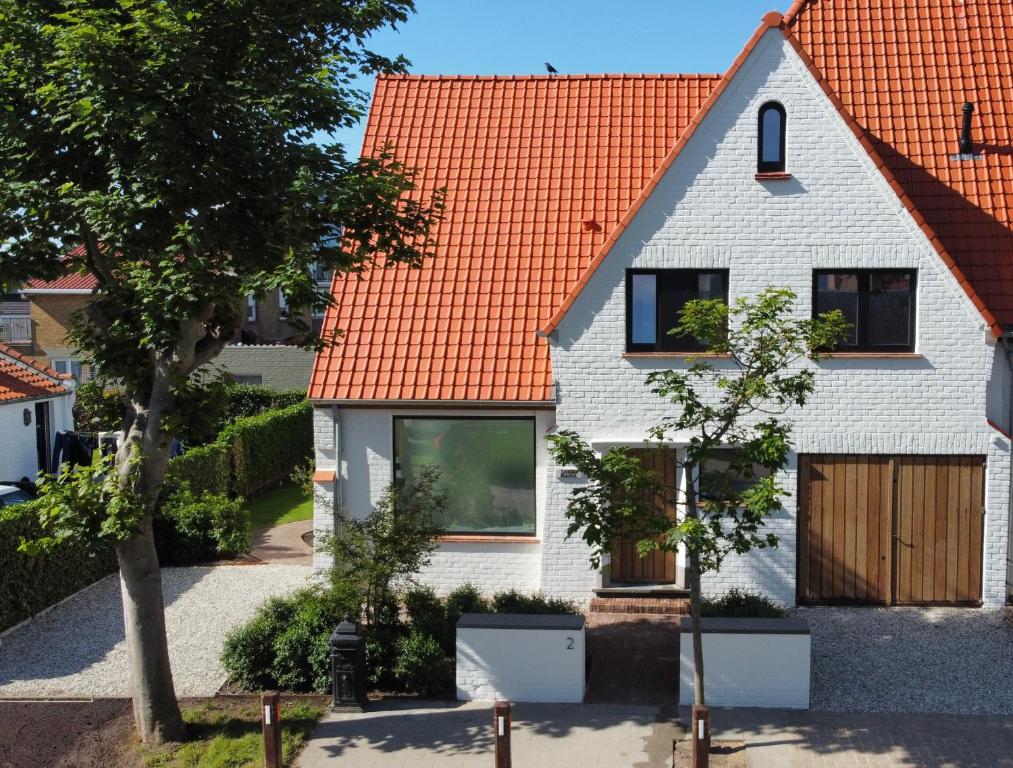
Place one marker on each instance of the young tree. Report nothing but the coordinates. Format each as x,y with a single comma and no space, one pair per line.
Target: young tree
731,419
182,145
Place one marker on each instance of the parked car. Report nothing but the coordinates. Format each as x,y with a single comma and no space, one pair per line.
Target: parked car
17,491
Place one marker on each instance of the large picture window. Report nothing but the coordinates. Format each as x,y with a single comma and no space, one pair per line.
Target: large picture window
878,303
487,469
654,299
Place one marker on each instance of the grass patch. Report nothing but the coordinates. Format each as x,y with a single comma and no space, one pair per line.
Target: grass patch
284,504
227,734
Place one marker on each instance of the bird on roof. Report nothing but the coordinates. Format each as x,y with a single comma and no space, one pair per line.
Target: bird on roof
551,69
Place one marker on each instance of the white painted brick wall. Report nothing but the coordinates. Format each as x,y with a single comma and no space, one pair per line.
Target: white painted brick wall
520,664
749,670
709,211
366,469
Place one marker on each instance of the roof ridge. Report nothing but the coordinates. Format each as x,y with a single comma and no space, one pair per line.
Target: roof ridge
556,78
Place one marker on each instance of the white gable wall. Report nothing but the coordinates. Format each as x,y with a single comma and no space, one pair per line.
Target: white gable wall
18,452
836,212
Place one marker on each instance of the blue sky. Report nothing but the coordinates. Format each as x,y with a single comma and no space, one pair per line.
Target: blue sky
516,37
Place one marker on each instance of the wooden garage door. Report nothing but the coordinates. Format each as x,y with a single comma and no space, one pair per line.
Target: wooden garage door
890,529
627,567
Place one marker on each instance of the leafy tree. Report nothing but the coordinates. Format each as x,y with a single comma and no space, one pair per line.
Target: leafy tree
177,144
733,411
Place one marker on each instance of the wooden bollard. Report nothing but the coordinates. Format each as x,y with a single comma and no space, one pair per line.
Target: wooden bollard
270,714
501,722
701,736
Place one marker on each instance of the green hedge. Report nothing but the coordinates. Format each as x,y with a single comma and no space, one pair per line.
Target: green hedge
33,583
266,448
250,455
206,469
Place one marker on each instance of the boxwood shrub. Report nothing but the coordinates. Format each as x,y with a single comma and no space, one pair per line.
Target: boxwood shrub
33,583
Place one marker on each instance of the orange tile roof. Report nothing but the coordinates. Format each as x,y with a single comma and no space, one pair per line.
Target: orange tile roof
74,281
538,170
22,378
903,69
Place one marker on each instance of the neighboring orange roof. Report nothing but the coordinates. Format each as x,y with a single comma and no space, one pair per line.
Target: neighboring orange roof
903,69
22,378
539,170
71,282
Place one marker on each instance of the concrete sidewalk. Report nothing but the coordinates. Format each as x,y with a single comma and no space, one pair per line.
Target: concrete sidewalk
793,739
460,735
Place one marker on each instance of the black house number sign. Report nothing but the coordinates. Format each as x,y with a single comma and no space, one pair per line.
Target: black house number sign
569,643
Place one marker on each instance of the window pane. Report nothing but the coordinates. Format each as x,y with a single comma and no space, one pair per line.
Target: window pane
487,469
890,309
771,150
710,285
680,286
644,294
840,291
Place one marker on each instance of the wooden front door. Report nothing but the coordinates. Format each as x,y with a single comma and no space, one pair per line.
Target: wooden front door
628,567
890,529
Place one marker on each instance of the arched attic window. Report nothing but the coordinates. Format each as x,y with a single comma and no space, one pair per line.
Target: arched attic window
770,147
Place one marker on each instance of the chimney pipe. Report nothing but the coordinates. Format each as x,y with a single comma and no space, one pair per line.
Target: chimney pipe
966,145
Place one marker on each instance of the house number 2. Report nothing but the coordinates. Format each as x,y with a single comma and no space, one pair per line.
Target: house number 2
569,643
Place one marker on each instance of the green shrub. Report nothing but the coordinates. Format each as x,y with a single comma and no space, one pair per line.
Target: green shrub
428,614
513,601
33,583
204,469
97,409
465,599
244,400
422,666
201,528
287,643
738,603
266,448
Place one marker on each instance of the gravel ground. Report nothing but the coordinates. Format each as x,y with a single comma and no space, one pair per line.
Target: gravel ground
943,660
77,648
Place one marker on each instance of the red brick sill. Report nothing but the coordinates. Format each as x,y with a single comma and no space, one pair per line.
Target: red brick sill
464,539
772,176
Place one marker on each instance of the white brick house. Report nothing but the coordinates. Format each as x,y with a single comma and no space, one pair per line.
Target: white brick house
662,175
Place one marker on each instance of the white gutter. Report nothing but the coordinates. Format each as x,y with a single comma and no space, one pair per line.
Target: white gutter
523,404
56,291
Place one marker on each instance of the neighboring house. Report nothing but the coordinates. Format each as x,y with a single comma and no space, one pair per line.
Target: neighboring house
35,403
583,211
54,303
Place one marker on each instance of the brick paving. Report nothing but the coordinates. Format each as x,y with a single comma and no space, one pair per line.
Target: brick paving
634,659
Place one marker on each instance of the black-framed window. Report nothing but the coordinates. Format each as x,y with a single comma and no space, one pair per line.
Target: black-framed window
878,303
486,465
770,143
654,299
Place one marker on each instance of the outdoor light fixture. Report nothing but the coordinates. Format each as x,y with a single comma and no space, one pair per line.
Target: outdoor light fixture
26,414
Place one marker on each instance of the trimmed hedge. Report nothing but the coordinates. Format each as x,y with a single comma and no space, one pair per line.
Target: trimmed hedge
34,583
250,455
267,448
205,469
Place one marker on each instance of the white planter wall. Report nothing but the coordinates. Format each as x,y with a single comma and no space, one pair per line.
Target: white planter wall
520,658
749,663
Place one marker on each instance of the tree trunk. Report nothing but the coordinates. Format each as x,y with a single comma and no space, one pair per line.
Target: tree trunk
694,613
141,462
156,711
694,591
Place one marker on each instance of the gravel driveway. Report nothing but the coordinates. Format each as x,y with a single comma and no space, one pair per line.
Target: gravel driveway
945,660
77,648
